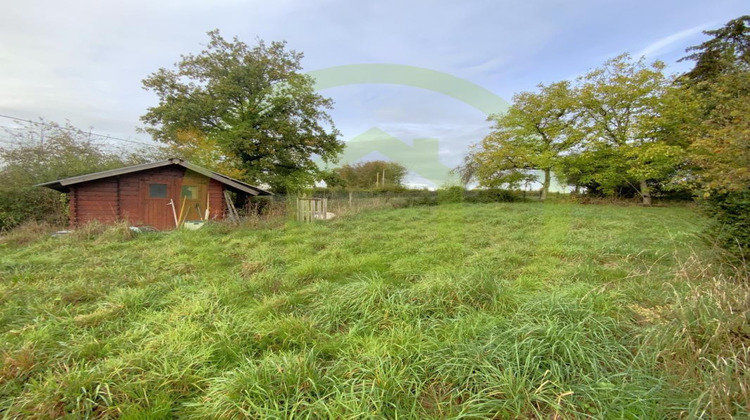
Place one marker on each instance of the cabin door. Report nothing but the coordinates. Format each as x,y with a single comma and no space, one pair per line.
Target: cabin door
193,197
155,196
193,194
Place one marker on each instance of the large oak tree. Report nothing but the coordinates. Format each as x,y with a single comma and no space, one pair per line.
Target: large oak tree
532,135
253,103
619,108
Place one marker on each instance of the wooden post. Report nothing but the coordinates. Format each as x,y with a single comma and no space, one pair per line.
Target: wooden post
174,213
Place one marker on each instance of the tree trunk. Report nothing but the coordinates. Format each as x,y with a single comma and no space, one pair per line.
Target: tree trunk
545,185
645,193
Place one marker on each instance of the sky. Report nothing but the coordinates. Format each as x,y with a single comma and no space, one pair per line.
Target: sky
83,61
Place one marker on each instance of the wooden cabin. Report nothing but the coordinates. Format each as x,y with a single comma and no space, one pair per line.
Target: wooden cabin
151,194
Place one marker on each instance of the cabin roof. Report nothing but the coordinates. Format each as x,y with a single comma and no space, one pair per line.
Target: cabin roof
63,185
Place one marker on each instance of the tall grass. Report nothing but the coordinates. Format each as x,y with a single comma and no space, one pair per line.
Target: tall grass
518,310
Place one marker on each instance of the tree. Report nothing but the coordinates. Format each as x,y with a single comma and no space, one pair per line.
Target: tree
46,152
718,89
200,150
619,108
533,134
332,178
721,148
254,103
377,173
728,51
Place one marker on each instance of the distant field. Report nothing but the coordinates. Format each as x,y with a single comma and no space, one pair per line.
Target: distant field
506,310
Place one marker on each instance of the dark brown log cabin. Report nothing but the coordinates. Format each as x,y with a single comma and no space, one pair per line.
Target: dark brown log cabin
141,194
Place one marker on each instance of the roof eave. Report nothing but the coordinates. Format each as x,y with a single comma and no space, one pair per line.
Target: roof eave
236,185
109,173
55,185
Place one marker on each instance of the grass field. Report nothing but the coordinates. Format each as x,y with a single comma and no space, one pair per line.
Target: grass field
498,310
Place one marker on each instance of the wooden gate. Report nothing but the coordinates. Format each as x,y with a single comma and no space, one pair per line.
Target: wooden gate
309,209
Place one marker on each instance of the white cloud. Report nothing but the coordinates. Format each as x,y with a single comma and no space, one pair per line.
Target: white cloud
668,43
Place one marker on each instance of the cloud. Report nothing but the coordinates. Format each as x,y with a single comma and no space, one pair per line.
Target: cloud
669,43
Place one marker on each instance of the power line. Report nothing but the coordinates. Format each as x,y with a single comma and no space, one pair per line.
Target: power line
23,142
105,136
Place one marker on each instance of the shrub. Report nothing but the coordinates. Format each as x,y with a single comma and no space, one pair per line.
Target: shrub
731,213
65,152
453,194
493,195
456,194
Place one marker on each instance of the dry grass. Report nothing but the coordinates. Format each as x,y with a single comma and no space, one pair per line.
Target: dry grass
27,232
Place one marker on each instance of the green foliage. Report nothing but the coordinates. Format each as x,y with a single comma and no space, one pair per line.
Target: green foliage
722,156
65,151
717,90
253,104
431,312
452,194
370,174
728,51
731,213
533,134
602,133
456,194
619,104
720,144
332,178
492,195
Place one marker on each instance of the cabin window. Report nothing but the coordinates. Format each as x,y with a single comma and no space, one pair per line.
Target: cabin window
157,190
190,192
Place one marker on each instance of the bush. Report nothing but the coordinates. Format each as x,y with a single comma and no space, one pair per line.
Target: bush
21,202
731,213
457,194
427,198
494,195
454,194
65,152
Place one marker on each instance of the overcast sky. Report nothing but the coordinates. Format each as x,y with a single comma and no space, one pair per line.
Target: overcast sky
83,61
